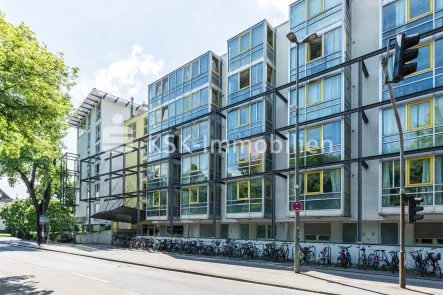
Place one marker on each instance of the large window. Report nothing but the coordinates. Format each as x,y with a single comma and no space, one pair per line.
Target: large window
194,200
315,49
423,125
417,8
319,190
246,121
247,158
195,136
245,42
423,179
157,204
246,196
195,168
245,79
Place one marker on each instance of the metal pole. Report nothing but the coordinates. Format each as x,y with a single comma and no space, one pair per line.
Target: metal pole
89,195
138,188
214,185
360,155
110,182
297,176
274,109
402,270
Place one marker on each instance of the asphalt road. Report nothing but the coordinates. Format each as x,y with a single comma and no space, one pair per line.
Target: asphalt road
27,271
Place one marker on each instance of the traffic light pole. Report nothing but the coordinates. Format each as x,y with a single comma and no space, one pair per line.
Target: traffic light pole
402,270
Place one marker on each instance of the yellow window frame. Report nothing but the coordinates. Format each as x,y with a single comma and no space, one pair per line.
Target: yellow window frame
238,189
308,51
190,163
176,199
321,182
156,196
431,111
431,171
408,10
239,74
248,152
270,182
218,64
159,171
198,131
238,115
218,97
308,148
195,188
192,68
190,72
240,41
307,93
273,36
183,103
431,55
321,10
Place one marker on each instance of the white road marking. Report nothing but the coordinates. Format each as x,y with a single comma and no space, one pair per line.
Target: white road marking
92,278
35,263
7,256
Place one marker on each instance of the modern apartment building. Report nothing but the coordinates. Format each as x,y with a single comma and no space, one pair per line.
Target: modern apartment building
100,124
349,169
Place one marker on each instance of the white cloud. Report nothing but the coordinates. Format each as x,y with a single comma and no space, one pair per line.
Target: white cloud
280,10
122,77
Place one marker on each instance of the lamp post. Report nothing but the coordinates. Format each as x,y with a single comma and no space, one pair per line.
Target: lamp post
293,39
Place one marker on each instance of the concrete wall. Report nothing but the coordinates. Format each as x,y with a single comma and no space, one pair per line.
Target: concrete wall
103,237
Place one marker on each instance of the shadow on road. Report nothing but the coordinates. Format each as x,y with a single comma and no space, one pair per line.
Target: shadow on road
21,285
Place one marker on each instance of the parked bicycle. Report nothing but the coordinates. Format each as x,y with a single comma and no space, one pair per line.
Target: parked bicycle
307,256
430,263
362,258
324,258
344,258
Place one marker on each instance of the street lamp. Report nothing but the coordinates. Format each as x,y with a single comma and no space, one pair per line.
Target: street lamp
293,39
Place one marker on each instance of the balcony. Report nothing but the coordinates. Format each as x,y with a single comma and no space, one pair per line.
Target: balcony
249,198
327,192
197,202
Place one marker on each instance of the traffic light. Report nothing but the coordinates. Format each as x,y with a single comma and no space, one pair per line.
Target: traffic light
402,57
414,209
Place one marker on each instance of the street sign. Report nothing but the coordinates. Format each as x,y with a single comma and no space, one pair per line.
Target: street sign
43,219
297,206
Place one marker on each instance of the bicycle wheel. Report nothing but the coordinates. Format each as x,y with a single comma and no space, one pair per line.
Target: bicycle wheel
437,270
361,263
281,257
310,257
371,260
420,267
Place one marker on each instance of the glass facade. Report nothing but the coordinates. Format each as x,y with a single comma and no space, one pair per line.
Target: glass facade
423,180
249,198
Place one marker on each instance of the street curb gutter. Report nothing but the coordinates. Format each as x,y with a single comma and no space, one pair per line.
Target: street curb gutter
181,270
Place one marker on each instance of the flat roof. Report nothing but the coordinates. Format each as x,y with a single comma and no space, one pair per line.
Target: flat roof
94,97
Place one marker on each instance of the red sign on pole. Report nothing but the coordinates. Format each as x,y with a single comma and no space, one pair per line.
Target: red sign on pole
297,206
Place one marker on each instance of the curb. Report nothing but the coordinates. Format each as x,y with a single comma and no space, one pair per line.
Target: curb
181,270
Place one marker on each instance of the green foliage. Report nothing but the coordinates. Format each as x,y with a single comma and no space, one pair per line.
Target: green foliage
20,219
34,105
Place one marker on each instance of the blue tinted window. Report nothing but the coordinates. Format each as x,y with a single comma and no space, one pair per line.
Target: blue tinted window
394,15
178,106
172,110
298,13
233,48
171,81
233,84
424,58
439,48
257,35
204,94
257,73
179,77
204,63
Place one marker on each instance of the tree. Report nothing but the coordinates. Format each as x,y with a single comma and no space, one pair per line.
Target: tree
19,218
34,104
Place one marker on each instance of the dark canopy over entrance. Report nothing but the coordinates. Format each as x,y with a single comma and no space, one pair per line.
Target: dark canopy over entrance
121,214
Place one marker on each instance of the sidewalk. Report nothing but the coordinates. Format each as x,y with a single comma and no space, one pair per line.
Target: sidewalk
321,281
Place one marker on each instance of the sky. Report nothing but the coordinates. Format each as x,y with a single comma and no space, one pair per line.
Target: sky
123,46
